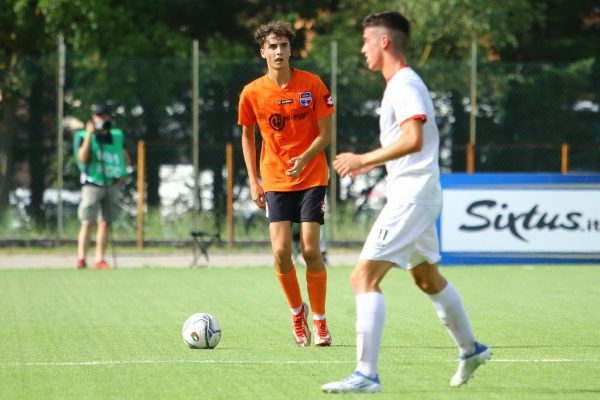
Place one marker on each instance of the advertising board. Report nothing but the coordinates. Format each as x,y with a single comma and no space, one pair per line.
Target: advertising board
505,218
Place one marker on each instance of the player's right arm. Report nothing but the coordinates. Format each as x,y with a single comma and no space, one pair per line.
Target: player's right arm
410,142
84,149
249,150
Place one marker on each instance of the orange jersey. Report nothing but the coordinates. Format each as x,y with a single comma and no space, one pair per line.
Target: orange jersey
287,119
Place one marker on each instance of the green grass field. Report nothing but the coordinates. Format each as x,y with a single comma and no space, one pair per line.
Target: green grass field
67,334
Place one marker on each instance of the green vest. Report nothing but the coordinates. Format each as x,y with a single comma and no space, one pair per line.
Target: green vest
113,165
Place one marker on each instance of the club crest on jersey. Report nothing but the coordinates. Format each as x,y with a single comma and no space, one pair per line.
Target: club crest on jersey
305,99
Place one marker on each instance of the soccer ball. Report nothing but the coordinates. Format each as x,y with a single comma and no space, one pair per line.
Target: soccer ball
201,331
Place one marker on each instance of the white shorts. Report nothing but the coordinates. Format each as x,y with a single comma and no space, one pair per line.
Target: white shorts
404,234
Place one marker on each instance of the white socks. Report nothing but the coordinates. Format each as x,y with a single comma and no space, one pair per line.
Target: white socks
370,318
296,311
450,310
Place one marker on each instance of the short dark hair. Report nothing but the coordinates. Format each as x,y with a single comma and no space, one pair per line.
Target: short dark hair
390,19
278,28
101,109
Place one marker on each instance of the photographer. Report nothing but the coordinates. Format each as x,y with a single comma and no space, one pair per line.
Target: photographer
102,160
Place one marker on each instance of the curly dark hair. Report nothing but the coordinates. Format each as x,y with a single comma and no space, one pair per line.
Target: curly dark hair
278,28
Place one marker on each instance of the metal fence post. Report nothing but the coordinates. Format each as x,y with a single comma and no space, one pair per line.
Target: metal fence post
141,187
195,131
333,145
60,95
564,159
230,219
473,116
470,158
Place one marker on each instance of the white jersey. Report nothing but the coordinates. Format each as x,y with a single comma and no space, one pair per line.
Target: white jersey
414,178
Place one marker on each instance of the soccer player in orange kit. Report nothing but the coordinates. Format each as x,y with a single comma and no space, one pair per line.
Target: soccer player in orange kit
292,109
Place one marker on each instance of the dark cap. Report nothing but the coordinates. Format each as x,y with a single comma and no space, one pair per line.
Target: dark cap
100,109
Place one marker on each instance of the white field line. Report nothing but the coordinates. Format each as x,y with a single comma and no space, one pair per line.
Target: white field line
545,360
241,362
126,362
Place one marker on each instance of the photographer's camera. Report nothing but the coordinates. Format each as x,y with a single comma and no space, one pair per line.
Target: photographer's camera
102,125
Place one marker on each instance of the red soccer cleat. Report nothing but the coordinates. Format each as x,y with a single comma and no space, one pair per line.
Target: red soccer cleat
301,332
322,335
101,265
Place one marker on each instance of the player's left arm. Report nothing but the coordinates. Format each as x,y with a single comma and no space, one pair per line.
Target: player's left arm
410,142
318,145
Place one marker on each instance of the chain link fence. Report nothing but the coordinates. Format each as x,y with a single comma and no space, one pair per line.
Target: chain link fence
525,115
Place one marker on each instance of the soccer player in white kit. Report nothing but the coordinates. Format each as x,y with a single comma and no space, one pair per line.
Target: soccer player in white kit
404,233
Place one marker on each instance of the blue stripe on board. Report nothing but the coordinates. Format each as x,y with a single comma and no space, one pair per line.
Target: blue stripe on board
532,181
517,258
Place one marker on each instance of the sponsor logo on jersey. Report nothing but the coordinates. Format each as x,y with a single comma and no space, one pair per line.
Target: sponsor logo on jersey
286,101
328,100
277,121
306,99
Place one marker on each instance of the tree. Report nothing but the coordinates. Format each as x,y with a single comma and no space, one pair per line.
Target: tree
137,56
567,32
513,30
95,32
24,79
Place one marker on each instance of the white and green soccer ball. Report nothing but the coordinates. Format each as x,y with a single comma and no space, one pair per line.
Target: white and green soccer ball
201,331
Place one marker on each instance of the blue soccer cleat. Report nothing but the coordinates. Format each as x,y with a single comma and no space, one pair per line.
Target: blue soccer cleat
355,383
468,364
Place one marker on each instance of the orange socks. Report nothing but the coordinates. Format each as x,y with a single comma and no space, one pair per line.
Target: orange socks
291,288
316,283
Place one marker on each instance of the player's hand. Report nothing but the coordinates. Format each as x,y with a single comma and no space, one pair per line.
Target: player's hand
348,164
89,127
360,171
258,196
296,164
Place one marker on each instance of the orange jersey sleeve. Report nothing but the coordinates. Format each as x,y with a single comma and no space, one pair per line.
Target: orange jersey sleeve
287,120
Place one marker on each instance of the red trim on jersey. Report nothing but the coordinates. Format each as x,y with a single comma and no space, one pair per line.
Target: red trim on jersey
422,117
402,67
